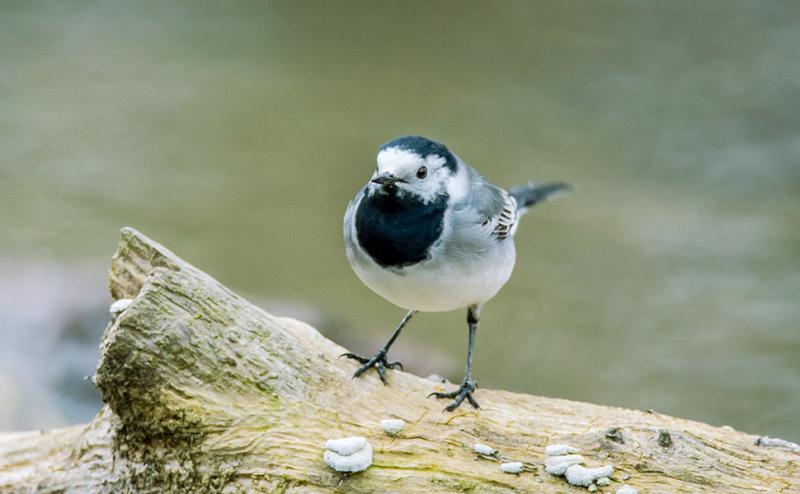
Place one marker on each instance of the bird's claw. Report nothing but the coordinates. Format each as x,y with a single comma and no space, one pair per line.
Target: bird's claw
464,392
379,362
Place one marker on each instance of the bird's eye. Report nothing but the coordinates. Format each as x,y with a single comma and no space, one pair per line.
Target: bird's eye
422,172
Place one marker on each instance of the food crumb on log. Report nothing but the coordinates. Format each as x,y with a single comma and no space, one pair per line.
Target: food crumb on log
584,477
512,467
774,442
348,454
560,450
392,427
483,449
118,306
557,465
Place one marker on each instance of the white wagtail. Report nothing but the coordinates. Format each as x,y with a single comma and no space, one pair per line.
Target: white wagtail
428,233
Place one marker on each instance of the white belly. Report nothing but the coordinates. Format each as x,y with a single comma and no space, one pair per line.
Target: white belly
441,286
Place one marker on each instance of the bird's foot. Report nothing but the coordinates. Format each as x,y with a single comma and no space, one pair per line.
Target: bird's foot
379,362
459,395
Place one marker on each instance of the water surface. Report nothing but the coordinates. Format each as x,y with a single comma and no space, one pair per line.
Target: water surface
236,133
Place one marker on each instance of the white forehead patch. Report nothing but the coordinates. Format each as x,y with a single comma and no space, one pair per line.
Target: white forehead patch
400,162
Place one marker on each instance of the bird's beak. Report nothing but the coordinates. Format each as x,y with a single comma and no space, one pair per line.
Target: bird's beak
387,179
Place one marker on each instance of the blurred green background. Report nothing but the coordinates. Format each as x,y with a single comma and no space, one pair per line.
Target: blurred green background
236,132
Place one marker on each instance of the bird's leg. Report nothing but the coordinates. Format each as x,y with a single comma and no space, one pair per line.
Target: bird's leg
379,359
468,385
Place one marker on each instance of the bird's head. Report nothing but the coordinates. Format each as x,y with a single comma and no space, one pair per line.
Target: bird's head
417,166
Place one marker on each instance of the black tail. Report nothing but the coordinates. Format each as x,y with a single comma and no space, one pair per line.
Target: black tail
530,194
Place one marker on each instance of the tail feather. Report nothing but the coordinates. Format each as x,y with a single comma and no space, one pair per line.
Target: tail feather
530,194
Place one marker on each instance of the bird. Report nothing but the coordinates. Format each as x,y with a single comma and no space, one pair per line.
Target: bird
428,233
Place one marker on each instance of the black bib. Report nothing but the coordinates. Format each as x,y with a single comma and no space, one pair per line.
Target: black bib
398,231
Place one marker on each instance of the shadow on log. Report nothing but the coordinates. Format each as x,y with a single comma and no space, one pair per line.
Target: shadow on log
205,392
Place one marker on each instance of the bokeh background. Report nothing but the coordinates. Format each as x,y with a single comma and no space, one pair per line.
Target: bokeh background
236,132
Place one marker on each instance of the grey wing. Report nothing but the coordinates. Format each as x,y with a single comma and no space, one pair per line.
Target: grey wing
488,214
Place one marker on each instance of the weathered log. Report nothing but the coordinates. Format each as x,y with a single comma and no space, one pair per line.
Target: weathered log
205,392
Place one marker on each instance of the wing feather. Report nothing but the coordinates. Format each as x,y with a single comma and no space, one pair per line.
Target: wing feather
490,208
506,220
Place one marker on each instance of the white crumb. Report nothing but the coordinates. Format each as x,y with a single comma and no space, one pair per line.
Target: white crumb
557,465
356,462
626,489
346,446
392,426
584,477
483,449
511,467
592,488
119,306
348,454
774,442
560,450
437,379
603,481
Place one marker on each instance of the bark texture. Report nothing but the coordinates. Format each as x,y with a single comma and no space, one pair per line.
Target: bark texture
205,392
